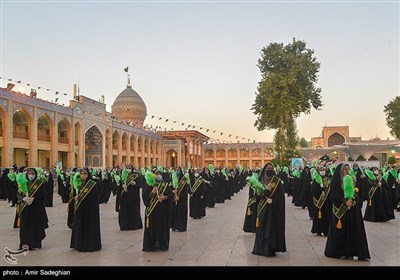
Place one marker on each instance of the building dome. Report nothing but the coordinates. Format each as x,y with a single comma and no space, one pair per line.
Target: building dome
129,106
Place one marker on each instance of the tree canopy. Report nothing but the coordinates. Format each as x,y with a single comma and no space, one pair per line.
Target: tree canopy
289,74
392,111
303,143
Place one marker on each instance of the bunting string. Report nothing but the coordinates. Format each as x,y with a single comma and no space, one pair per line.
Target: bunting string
58,96
153,122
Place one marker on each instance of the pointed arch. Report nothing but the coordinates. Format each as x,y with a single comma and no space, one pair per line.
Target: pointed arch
21,124
63,131
115,139
336,138
108,138
132,142
124,140
172,158
139,144
221,152
209,153
78,133
232,152
93,146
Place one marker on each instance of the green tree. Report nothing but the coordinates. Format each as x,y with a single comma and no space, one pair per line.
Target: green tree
303,143
391,160
392,111
287,89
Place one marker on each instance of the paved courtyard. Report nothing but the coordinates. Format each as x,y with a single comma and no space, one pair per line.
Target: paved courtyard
216,240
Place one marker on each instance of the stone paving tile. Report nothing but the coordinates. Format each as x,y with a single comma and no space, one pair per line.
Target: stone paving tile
215,240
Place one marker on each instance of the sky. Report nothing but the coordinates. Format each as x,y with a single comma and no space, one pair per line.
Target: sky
196,61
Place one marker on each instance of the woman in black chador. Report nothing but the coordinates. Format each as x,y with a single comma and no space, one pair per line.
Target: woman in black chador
157,196
31,212
129,201
346,237
180,204
85,235
270,221
49,184
320,189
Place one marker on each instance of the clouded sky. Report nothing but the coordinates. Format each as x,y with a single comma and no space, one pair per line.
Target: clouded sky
196,62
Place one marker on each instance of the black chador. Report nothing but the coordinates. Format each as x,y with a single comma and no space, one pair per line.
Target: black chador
209,185
71,199
31,211
346,237
85,235
379,207
158,201
49,184
180,205
320,189
270,221
129,201
197,201
251,212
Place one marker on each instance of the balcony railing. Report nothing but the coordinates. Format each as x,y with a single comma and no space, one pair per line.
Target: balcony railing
115,146
1,132
21,135
76,142
45,138
63,140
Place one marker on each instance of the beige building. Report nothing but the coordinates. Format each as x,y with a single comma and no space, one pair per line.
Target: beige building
338,145
247,154
35,132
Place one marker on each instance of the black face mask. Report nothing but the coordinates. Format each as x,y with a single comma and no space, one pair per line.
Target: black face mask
270,173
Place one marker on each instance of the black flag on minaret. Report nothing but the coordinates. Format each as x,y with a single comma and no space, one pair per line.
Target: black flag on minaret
126,69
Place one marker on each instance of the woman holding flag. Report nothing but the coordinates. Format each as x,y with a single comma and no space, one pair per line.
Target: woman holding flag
32,217
180,183
270,220
85,235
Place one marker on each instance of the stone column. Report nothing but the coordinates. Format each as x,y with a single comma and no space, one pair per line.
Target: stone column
110,148
128,149
251,157
215,155
187,155
71,142
119,156
226,156
135,151
142,163
81,145
202,154
8,147
32,158
262,155
148,151
237,156
160,153
54,142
